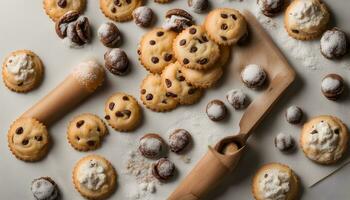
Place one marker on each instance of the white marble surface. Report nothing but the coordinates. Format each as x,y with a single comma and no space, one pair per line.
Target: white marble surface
24,25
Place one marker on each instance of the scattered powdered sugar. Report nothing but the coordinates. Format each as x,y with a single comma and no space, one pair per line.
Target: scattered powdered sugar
330,84
333,43
87,72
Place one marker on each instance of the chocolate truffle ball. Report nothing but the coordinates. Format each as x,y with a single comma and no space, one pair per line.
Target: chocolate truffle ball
163,169
109,34
334,44
284,142
216,110
253,76
179,140
270,7
198,6
116,61
151,145
44,188
332,86
294,115
143,16
237,99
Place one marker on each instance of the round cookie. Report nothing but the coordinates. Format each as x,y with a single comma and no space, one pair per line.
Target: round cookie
216,110
143,16
193,49
94,177
275,181
334,43
324,139
57,8
151,145
178,140
253,76
28,139
44,188
177,87
156,49
163,169
22,71
225,26
119,10
123,113
332,86
154,95
162,1
306,19
86,132
207,78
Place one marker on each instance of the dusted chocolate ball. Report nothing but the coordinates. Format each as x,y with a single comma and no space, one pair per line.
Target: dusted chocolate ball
334,43
216,110
270,7
163,169
332,86
143,16
198,6
116,61
109,34
294,115
179,140
151,145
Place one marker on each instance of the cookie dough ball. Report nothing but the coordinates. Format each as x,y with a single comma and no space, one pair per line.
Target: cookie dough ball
116,61
143,16
86,132
216,110
293,115
332,86
275,181
179,140
253,76
151,145
237,99
109,35
198,6
177,20
163,169
324,139
334,43
22,71
284,142
270,7
44,188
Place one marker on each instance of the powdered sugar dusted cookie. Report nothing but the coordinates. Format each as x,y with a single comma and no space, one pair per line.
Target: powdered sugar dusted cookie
156,49
253,76
284,142
332,86
94,177
119,10
237,99
163,169
193,49
178,140
334,43
270,7
294,115
162,1
57,8
225,26
275,181
154,95
177,87
44,188
151,145
116,61
109,34
198,6
86,132
324,139
216,110
143,16
22,71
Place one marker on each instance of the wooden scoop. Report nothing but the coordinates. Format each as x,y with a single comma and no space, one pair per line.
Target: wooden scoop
217,163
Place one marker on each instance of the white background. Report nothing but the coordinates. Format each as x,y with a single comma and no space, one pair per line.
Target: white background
24,25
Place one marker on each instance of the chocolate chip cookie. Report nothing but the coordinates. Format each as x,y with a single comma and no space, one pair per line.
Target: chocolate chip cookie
57,8
156,49
119,10
123,113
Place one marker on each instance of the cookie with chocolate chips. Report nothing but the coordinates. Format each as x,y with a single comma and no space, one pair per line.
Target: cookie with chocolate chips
86,132
156,49
57,8
177,87
123,113
119,10
193,49
225,26
154,95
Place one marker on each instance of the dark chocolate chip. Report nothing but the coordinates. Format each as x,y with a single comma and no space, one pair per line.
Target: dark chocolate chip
127,113
155,60
182,42
138,52
168,83
149,97
223,38
78,138
38,138
193,30
164,101
168,57
192,90
19,130
111,105
107,117
266,175
98,129
143,91
116,2
203,61
193,49
205,39
62,3
160,33
125,98
180,78
224,15
80,123
152,42
91,143
119,114
224,26
128,1
113,10
336,131
25,142
186,61
234,17
295,31
20,84
170,94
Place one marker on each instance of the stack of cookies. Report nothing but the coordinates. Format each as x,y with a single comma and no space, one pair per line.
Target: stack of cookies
183,58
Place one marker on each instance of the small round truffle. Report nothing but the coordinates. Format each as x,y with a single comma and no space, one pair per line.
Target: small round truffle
109,34
216,110
198,6
294,114
179,140
163,169
237,99
44,188
270,7
284,142
116,61
334,44
253,76
332,86
143,16
151,145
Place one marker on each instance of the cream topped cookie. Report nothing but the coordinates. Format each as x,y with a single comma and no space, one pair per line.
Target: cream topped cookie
22,71
94,177
275,181
306,19
324,139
